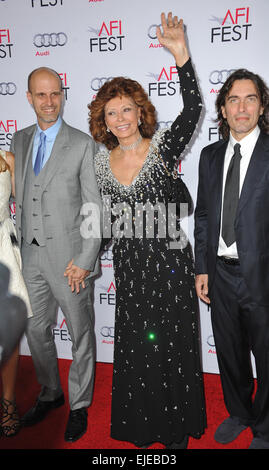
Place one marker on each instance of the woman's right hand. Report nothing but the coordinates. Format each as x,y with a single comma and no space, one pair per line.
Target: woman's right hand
173,38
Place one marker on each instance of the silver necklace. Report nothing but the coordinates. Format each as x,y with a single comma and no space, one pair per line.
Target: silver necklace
132,146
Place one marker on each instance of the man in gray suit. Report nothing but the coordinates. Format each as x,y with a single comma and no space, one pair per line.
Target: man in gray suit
55,184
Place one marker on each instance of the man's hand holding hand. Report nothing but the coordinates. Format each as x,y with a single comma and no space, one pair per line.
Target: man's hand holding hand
76,276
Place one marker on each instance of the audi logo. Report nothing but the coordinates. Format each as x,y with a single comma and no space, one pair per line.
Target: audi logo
152,31
107,331
210,341
220,76
107,255
50,39
97,82
8,88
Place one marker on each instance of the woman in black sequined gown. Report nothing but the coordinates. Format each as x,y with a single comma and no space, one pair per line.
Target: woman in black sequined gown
157,393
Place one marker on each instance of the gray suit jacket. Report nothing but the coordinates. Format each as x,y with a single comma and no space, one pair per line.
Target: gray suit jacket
69,184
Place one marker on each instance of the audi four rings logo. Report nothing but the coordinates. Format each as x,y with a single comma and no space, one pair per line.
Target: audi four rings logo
219,76
152,31
97,82
107,331
50,39
210,341
8,88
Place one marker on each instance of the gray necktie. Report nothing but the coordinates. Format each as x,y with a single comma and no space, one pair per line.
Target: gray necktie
40,154
231,197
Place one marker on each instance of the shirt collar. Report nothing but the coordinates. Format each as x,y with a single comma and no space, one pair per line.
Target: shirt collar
247,142
52,131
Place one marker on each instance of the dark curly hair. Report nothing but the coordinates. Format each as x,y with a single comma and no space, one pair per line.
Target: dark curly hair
263,92
120,86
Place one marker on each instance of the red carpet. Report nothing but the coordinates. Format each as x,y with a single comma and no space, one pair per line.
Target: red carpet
49,433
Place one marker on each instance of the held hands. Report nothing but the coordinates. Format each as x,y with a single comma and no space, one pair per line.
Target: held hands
173,38
201,285
76,276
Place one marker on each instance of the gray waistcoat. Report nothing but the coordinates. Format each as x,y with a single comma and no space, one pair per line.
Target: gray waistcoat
32,225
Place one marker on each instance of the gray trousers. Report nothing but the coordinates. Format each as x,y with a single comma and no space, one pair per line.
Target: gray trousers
47,290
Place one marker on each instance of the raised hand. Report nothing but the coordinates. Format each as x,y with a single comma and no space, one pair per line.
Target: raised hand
173,38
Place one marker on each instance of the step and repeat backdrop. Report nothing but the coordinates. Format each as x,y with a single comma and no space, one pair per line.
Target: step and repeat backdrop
89,41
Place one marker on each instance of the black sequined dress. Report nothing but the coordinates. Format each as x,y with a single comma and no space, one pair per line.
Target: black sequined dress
157,393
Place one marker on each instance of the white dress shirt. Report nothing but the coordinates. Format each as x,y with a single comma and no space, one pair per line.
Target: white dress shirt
247,146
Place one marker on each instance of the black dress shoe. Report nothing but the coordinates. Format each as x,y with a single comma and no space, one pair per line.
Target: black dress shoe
228,430
76,425
259,443
40,411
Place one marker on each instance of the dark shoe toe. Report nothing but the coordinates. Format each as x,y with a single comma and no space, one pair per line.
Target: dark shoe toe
40,410
228,430
76,425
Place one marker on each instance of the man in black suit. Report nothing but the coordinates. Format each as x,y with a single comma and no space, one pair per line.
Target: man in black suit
232,251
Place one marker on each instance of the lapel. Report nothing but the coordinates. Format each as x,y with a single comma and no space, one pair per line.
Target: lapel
61,145
257,166
27,147
216,172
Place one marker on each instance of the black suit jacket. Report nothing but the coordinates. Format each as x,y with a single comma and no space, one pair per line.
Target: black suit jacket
252,218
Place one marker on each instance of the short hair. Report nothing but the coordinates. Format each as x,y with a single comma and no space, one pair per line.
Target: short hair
120,86
262,90
44,69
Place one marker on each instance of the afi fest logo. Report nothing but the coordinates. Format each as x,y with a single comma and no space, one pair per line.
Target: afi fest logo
61,331
7,128
109,37
166,82
65,86
108,297
46,3
234,26
5,44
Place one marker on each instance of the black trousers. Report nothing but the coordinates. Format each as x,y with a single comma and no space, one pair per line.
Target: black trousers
240,326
